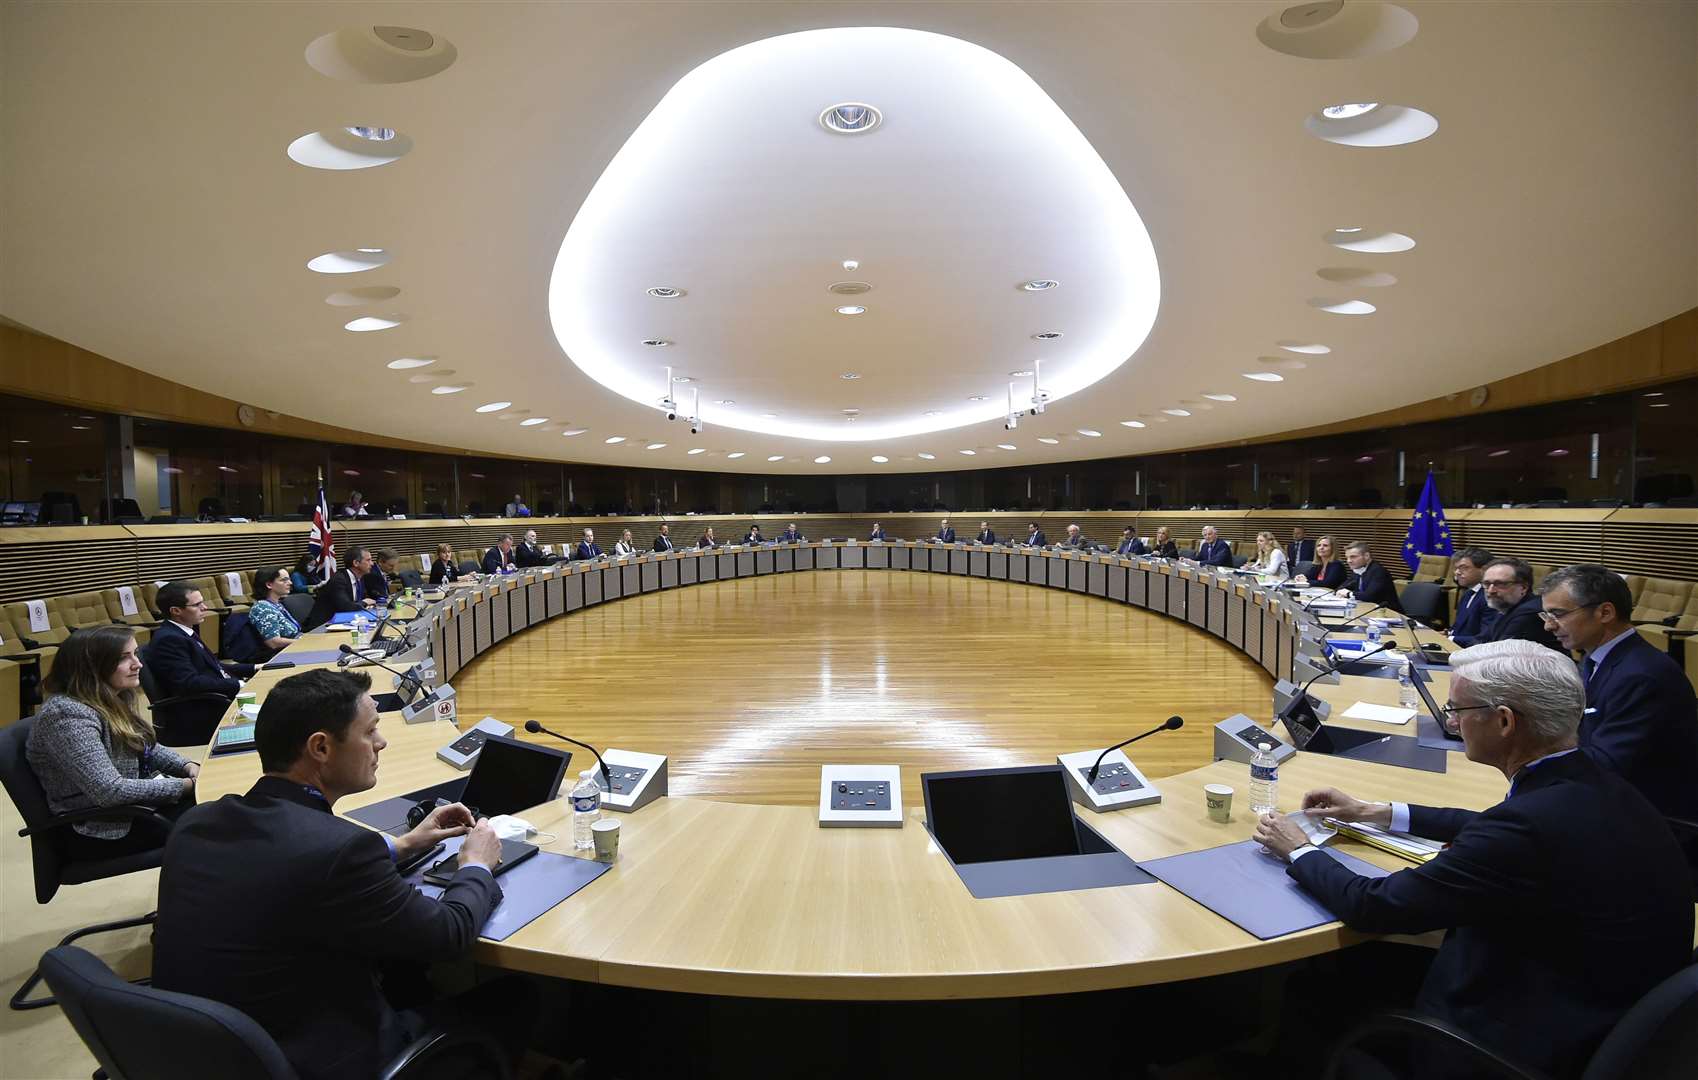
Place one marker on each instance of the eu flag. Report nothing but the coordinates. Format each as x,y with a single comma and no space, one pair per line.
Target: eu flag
1428,533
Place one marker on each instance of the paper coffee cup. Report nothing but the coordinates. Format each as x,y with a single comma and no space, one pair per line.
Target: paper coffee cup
606,840
247,697
1219,800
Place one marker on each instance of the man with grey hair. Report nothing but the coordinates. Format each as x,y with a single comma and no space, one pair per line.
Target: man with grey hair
1213,551
1641,719
1563,904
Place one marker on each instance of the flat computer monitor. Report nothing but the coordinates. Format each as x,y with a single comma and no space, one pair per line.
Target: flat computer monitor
991,815
1433,709
511,775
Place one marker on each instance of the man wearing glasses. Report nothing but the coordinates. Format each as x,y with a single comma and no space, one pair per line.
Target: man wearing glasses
1563,904
182,664
1509,590
1641,719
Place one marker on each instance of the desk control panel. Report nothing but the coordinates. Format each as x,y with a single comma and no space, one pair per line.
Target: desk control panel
1114,778
1237,737
637,779
860,796
625,778
1118,784
463,752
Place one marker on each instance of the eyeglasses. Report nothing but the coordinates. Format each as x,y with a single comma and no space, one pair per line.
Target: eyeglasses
1451,710
1556,615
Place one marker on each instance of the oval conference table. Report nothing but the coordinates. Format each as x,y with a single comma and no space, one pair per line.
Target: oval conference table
723,898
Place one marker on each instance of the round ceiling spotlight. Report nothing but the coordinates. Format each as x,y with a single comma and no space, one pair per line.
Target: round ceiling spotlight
1046,440
851,264
1090,433
1221,397
367,323
851,375
1040,284
655,446
683,379
1373,125
735,454
1370,243
665,292
1334,30
1305,348
694,450
1264,376
1342,307
849,288
656,342
727,402
435,376
1006,446
1047,335
1177,412
852,309
969,453
451,388
369,294
927,457
880,459
1132,423
408,362
495,406
1356,275
349,262
775,457
533,421
1284,363
1349,110
339,148
572,431
850,118
823,459
612,440
380,54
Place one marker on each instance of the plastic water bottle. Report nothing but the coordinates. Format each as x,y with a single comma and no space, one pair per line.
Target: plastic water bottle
1406,688
1373,633
586,810
1264,780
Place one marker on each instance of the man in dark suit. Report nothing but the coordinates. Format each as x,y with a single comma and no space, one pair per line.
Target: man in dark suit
753,537
1213,551
298,938
182,664
587,547
1076,538
1563,904
1367,580
707,540
345,591
1509,590
1035,536
791,535
1129,542
1641,719
499,558
529,553
1474,616
1300,550
663,539
376,580
986,535
945,534
877,533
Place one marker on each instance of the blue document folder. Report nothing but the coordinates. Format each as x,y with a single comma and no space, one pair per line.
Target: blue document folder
1243,885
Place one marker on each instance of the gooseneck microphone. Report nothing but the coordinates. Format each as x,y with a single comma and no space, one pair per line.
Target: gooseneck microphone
1363,614
1301,698
535,728
1172,723
350,654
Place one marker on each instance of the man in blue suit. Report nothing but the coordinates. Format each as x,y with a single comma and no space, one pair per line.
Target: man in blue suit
1300,550
182,664
791,535
946,534
1641,718
987,535
587,547
1474,616
1129,542
663,541
1035,536
1213,551
877,533
1562,905
499,559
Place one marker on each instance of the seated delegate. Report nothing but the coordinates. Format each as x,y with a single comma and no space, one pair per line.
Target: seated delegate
269,618
624,546
499,558
663,539
1270,559
1327,572
1163,546
443,568
986,534
380,575
1509,590
1212,551
877,533
1129,542
182,664
1366,579
299,939
529,553
1474,616
707,540
1563,904
945,533
92,746
791,535
587,547
344,591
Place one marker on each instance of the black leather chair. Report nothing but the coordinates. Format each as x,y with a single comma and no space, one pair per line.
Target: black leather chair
1423,601
1657,1039
174,724
138,1033
470,566
298,604
45,830
412,579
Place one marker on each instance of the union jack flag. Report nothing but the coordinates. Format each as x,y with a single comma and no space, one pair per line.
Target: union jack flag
321,545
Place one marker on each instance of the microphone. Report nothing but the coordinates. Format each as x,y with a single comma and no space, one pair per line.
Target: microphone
349,655
1363,614
1301,698
535,728
1172,723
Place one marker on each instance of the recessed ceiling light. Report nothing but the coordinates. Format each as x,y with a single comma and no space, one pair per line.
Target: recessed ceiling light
1364,459
611,439
571,431
1040,285
852,309
1132,423
655,446
1046,335
683,379
1305,348
451,388
1264,376
348,262
1092,433
21,442
84,427
775,457
1497,453
1006,446
735,454
533,421
495,406
727,402
1047,440
823,459
1019,374
1221,397
851,264
927,457
1177,412
1558,452
1342,307
656,342
1653,405
369,251
850,118
1652,393
368,323
851,412
977,397
1347,229
1346,111
407,363
694,450
880,458
850,375
969,453
225,468
665,292
370,134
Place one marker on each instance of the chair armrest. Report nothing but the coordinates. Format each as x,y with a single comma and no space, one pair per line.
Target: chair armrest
181,699
1425,1031
438,1044
93,813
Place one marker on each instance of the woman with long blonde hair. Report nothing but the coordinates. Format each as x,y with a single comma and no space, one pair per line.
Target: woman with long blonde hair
91,746
1269,559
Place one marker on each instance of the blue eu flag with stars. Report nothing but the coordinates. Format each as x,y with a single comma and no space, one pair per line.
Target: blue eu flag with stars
1428,533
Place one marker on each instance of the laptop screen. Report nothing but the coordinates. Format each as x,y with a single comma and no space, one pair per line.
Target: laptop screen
989,815
1433,709
511,775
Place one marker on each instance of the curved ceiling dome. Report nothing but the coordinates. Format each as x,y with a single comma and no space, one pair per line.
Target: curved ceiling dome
733,191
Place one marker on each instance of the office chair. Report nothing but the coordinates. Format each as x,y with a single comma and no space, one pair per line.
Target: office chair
174,725
299,605
137,1032
412,579
1656,1039
45,831
1423,601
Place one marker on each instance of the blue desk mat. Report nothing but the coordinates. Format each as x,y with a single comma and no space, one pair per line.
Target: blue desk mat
527,890
1251,889
310,656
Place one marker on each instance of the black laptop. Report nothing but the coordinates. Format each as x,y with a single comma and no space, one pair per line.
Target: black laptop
510,775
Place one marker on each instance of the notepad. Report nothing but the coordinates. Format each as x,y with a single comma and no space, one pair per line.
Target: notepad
1383,714
1404,845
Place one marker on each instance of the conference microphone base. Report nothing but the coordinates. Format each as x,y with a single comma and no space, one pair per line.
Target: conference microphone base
638,779
1119,784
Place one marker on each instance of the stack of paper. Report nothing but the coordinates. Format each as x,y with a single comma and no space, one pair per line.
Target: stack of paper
1384,714
1403,845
